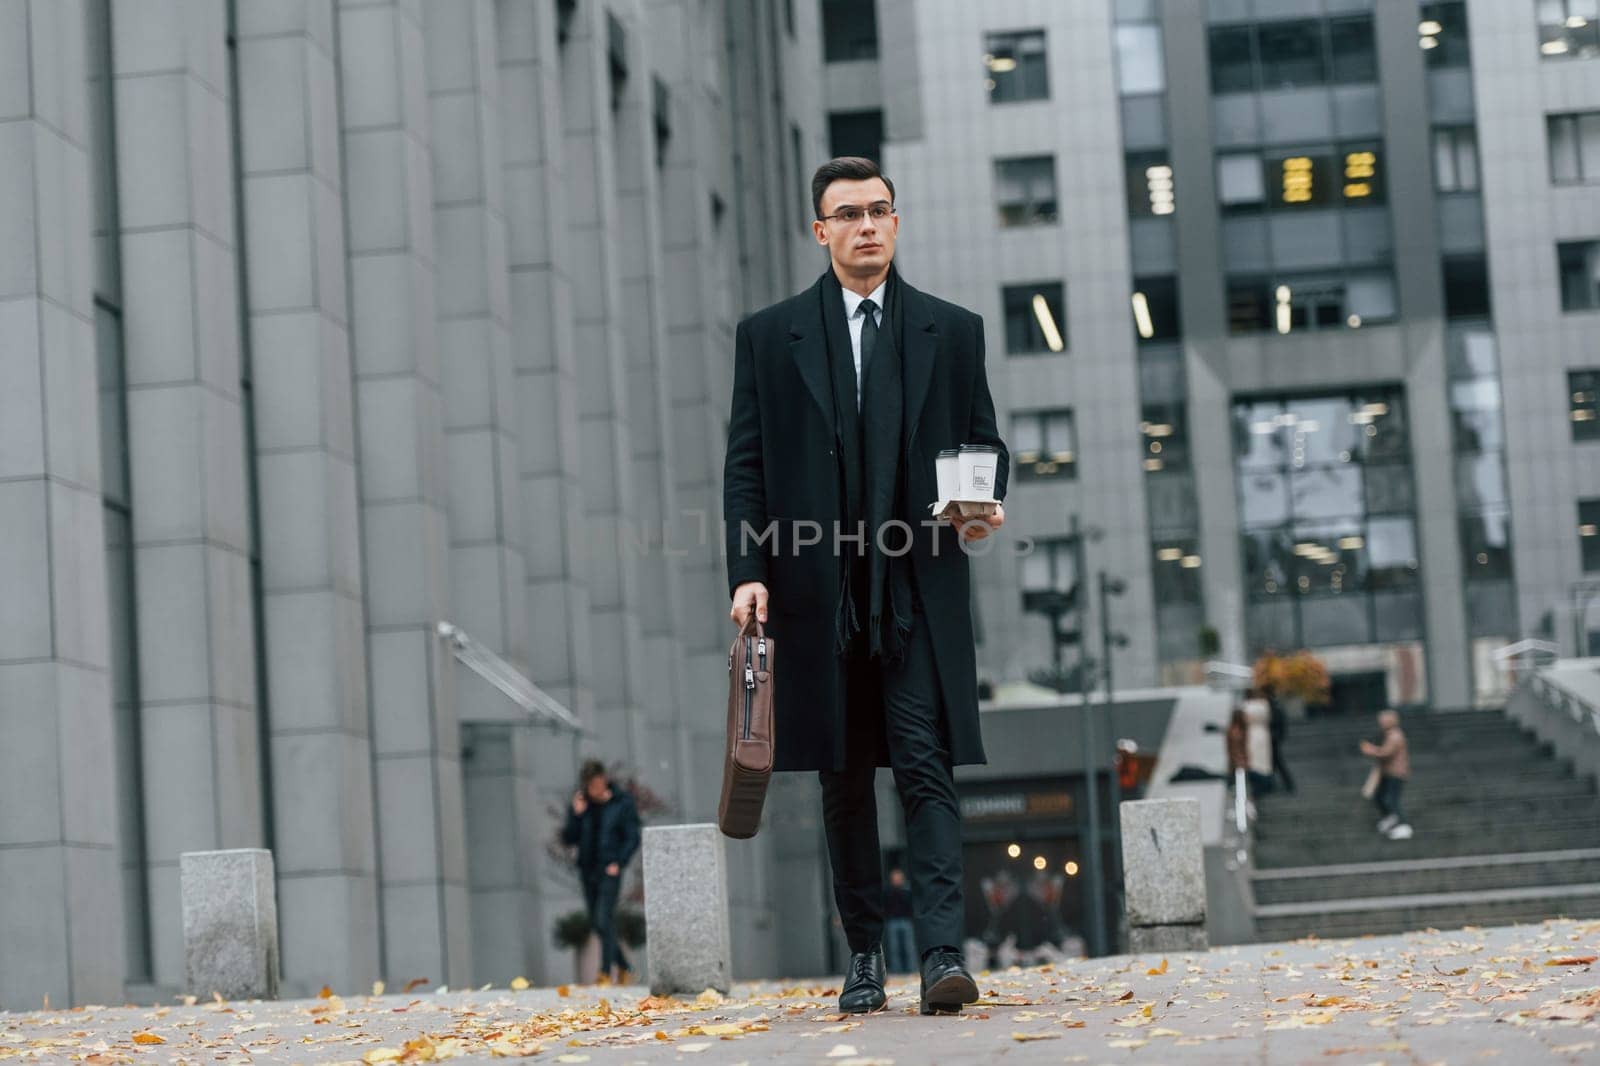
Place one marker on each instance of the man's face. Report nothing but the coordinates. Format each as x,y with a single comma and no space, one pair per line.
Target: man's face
1388,720
897,877
865,247
596,787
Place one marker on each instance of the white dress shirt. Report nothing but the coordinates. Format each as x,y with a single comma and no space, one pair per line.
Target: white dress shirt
856,318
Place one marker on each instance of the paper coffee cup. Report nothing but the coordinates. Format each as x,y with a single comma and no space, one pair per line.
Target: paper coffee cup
947,472
977,464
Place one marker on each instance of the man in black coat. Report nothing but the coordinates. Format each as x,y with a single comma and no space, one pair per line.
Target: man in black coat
842,398
603,824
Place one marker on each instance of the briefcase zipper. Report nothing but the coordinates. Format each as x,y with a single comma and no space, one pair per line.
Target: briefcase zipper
749,688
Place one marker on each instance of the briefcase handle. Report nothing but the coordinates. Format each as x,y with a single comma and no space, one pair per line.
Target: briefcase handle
760,630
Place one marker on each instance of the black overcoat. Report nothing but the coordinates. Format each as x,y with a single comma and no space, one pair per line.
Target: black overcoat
782,468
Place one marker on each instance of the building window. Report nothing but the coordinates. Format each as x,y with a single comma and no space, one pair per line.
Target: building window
1015,67
1304,178
1044,444
1155,308
849,30
1292,303
1293,54
1574,147
1025,190
1164,427
1589,533
856,133
1466,287
1569,28
1455,158
1442,35
1035,318
1486,546
1141,67
1151,190
1323,565
1583,388
1579,263
1050,567
1176,570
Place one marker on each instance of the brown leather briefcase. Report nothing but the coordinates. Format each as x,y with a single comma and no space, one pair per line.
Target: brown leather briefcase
748,765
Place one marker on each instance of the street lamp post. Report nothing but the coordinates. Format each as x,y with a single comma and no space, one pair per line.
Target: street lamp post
1109,587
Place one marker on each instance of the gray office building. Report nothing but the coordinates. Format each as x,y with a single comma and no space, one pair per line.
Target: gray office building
325,323
1292,303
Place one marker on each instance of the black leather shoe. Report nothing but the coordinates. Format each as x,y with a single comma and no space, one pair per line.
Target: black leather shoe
946,984
863,983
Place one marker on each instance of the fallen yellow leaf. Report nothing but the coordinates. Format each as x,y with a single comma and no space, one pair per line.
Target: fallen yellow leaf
519,984
563,991
377,988
1023,1038
1156,971
148,1038
382,1054
726,1029
325,993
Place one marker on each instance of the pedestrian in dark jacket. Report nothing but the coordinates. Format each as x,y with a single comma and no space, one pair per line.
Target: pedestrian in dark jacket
604,825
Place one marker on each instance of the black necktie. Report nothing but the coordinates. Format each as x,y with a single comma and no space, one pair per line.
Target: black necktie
869,336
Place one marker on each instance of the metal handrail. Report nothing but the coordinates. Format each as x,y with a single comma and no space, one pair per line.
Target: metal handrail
508,679
1571,703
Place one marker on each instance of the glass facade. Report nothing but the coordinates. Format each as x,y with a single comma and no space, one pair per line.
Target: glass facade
1300,167
1151,187
1327,520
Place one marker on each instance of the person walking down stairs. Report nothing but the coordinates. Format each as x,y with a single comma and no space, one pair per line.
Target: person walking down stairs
1394,767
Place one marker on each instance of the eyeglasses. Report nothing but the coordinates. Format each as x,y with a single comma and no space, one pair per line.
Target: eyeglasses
850,214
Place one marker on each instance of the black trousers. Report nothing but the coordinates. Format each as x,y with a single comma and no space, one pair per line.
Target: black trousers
907,699
600,899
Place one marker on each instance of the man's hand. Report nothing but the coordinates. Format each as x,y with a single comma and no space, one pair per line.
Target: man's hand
976,527
579,804
750,595
1369,749
613,870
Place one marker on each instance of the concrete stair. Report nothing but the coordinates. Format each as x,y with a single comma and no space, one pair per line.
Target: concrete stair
1504,832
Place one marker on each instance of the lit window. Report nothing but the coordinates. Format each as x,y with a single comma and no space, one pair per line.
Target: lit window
1043,445
1583,392
1035,319
1589,533
1015,67
1569,29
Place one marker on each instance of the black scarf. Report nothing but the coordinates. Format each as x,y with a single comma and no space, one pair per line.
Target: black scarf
871,452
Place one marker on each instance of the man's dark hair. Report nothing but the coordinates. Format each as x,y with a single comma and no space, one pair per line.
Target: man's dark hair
592,769
844,168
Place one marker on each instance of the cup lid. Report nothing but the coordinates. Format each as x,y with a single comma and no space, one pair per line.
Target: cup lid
989,448
949,451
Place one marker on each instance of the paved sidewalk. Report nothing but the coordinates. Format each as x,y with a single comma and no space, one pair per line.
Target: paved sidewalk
1527,994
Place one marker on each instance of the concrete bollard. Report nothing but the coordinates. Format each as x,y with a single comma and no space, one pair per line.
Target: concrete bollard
1164,875
686,909
230,923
